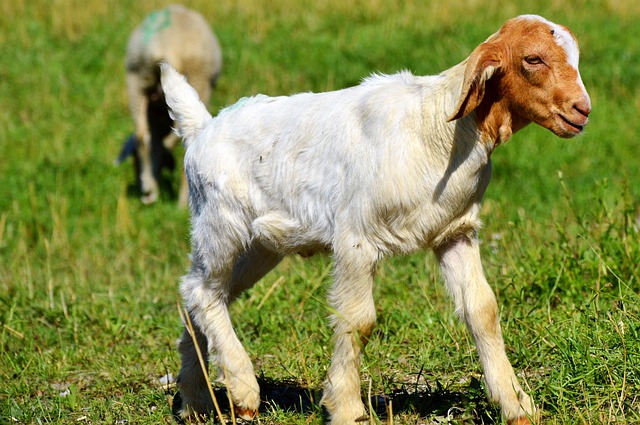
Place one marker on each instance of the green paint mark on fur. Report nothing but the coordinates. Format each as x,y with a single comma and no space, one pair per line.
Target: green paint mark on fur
243,101
239,104
156,22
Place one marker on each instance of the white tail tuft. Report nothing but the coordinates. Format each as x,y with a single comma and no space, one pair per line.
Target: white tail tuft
185,107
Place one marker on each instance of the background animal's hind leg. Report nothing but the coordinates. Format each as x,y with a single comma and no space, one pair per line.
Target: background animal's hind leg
139,104
183,194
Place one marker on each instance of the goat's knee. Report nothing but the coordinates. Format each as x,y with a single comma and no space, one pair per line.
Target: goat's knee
481,316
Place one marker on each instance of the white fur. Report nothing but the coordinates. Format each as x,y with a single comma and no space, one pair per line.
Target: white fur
190,121
365,172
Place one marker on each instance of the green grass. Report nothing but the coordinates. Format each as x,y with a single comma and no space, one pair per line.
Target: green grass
88,275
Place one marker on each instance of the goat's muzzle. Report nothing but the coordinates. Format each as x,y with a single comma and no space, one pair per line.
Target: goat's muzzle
575,120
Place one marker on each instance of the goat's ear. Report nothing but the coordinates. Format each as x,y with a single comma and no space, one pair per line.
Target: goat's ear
481,65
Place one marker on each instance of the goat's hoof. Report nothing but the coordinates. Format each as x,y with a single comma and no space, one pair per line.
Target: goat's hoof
149,199
244,413
520,421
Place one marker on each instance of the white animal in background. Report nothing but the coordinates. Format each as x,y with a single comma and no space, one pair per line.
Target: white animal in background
396,164
184,39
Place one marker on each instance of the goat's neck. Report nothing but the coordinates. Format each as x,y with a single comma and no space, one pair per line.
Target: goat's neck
494,120
441,96
495,116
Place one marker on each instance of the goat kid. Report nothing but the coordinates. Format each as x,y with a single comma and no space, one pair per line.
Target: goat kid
396,164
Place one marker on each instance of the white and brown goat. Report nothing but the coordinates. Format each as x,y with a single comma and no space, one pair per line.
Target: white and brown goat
396,164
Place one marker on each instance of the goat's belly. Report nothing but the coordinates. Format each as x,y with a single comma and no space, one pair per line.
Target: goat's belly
282,234
425,227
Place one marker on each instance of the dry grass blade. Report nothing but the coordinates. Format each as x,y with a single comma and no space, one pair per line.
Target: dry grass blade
231,409
371,420
14,332
186,319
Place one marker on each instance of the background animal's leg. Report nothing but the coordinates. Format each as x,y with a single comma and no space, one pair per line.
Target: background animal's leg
139,104
354,317
476,304
170,144
170,141
183,194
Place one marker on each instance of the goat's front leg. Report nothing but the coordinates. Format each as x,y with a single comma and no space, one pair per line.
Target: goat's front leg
476,304
354,316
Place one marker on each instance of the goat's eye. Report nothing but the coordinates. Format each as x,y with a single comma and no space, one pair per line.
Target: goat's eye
533,60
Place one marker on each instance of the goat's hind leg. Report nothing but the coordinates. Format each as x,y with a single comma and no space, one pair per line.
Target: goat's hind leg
207,295
476,304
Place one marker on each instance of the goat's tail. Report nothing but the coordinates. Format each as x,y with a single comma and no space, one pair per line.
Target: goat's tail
185,107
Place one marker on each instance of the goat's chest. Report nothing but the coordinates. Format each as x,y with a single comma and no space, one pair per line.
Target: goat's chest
440,202
454,204
459,186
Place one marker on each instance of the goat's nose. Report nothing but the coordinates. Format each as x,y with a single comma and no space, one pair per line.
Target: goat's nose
583,106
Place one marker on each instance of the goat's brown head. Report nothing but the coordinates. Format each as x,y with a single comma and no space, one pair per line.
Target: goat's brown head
526,72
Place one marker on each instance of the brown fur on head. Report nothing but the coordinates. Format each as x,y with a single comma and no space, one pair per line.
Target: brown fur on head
526,72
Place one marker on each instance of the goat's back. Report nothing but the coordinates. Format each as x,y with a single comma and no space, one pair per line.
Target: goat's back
179,36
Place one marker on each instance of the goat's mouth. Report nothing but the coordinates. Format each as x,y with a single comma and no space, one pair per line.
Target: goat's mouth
571,127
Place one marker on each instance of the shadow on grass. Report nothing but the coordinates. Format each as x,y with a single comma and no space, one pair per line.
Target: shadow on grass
441,404
166,183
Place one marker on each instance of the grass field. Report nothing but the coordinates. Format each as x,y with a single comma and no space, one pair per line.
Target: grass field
88,275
